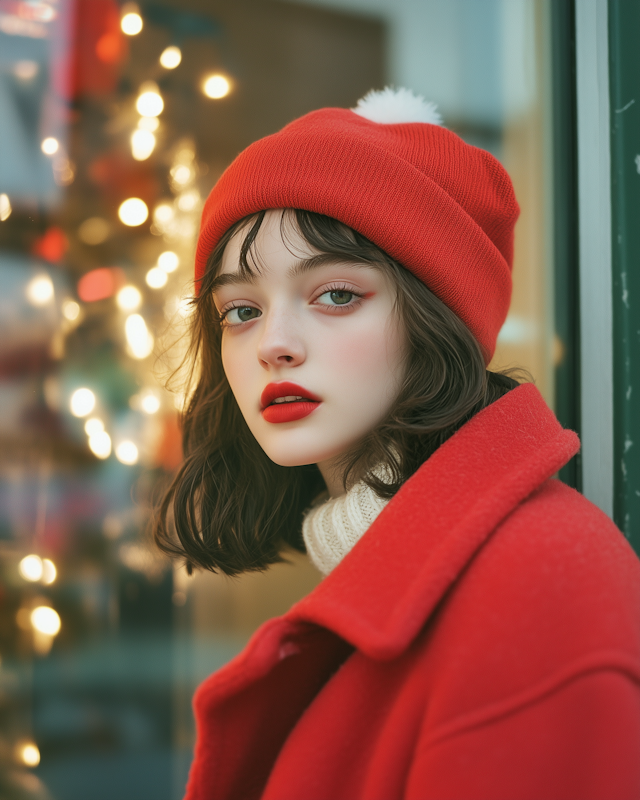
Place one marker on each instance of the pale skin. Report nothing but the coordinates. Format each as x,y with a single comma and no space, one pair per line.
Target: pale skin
331,329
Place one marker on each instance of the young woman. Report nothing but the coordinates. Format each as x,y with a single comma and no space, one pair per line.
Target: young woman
477,635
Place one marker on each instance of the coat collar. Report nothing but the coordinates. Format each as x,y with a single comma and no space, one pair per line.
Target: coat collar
381,594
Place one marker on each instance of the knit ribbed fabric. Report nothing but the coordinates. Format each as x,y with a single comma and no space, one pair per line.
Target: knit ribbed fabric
443,209
331,529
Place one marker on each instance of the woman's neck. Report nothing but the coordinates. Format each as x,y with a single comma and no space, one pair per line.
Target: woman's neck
332,477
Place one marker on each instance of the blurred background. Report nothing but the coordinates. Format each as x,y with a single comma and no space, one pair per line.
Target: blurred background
115,122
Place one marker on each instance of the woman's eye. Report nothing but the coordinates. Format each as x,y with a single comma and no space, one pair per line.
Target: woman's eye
234,316
338,297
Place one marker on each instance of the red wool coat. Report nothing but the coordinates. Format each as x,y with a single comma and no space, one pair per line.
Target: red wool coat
480,642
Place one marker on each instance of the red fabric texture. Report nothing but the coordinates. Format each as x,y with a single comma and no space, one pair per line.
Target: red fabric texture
480,642
442,208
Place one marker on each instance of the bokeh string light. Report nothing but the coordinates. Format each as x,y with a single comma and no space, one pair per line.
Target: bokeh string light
216,86
40,290
100,444
49,571
148,123
131,23
149,102
27,753
143,143
168,261
156,278
70,310
133,212
93,426
171,57
5,207
46,620
30,568
127,452
50,146
139,339
82,402
129,298
94,230
149,401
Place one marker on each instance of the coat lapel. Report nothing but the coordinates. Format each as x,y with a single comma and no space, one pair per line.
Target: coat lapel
382,593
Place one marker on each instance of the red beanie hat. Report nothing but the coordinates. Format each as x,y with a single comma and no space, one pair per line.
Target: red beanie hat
443,209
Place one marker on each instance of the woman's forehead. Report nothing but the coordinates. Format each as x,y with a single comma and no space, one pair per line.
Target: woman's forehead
278,242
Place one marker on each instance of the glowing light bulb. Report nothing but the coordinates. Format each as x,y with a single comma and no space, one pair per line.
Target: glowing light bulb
5,207
139,338
70,310
131,24
168,261
171,57
31,568
129,298
100,444
216,87
28,754
45,620
163,213
94,230
150,402
142,144
148,123
82,402
156,278
150,103
40,290
188,201
181,174
50,146
49,571
133,212
127,453
93,425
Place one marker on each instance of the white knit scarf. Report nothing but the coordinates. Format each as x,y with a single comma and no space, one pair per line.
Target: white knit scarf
330,529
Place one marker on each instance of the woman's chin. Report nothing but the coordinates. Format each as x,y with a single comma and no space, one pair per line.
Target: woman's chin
301,456
292,459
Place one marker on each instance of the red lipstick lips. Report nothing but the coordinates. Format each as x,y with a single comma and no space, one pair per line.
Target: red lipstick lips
288,411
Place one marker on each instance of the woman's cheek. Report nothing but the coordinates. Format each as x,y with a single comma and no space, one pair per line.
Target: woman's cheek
234,363
364,352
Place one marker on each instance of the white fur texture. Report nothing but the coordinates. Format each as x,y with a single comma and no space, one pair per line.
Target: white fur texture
392,106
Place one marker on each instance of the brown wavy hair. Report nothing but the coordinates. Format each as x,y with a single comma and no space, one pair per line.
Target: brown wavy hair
229,507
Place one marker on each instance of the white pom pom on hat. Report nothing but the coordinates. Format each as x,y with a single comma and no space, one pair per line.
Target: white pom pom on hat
394,106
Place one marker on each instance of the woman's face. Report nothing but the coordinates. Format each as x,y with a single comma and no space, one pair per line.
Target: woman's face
329,329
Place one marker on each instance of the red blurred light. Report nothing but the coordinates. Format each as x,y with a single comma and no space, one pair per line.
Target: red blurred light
99,284
52,245
109,48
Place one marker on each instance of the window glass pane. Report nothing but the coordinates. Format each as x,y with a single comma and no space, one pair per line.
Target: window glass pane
116,121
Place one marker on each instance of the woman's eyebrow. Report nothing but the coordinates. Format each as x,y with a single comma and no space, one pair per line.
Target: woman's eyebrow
231,279
300,267
328,259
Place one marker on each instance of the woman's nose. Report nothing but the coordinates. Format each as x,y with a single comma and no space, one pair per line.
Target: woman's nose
281,343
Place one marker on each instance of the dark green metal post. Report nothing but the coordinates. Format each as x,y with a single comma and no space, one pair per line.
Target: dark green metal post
565,215
624,57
